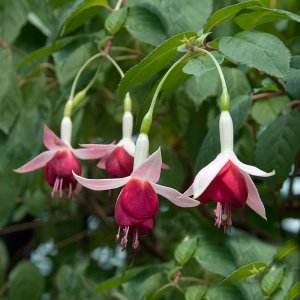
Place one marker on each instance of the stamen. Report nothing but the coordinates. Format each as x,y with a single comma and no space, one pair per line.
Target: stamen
125,238
118,234
218,214
70,190
55,187
60,188
136,243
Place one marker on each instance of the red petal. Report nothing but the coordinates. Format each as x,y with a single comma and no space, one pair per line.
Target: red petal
138,199
61,166
229,186
119,163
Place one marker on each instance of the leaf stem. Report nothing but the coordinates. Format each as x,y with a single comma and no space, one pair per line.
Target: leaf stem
147,121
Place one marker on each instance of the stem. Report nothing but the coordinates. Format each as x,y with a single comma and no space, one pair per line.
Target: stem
224,86
118,5
147,121
74,100
69,104
225,100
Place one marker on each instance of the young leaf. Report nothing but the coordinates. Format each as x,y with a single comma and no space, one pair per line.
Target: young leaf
246,271
262,15
271,280
153,63
259,50
227,13
286,250
185,251
278,144
115,20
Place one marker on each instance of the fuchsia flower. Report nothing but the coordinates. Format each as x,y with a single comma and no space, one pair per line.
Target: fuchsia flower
61,159
118,161
138,202
226,180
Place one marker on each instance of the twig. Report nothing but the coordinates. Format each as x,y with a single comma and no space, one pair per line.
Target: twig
266,95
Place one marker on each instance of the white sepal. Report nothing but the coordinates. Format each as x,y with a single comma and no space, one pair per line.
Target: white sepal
226,132
141,150
127,125
66,130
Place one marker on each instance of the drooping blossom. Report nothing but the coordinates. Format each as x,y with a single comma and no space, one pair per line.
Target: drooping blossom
226,180
138,202
61,159
118,161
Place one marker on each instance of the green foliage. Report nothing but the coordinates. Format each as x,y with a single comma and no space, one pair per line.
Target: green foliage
70,247
25,282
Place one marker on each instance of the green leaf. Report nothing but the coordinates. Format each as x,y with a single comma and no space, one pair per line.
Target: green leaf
199,90
57,45
214,257
4,260
262,15
10,94
185,250
79,13
120,279
195,292
246,271
36,203
210,147
278,145
246,249
259,50
293,292
182,17
227,13
237,82
152,64
224,292
25,282
115,20
200,65
286,250
145,26
271,280
292,82
265,111
69,60
13,16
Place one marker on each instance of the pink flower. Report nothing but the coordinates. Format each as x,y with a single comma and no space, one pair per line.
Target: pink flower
137,203
226,180
118,161
61,159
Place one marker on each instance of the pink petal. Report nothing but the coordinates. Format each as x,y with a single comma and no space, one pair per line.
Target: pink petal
93,153
253,200
101,184
249,169
37,162
102,163
101,146
174,196
52,141
150,168
208,173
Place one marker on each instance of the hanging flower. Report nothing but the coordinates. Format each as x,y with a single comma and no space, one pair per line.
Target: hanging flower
61,159
138,203
118,161
226,180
